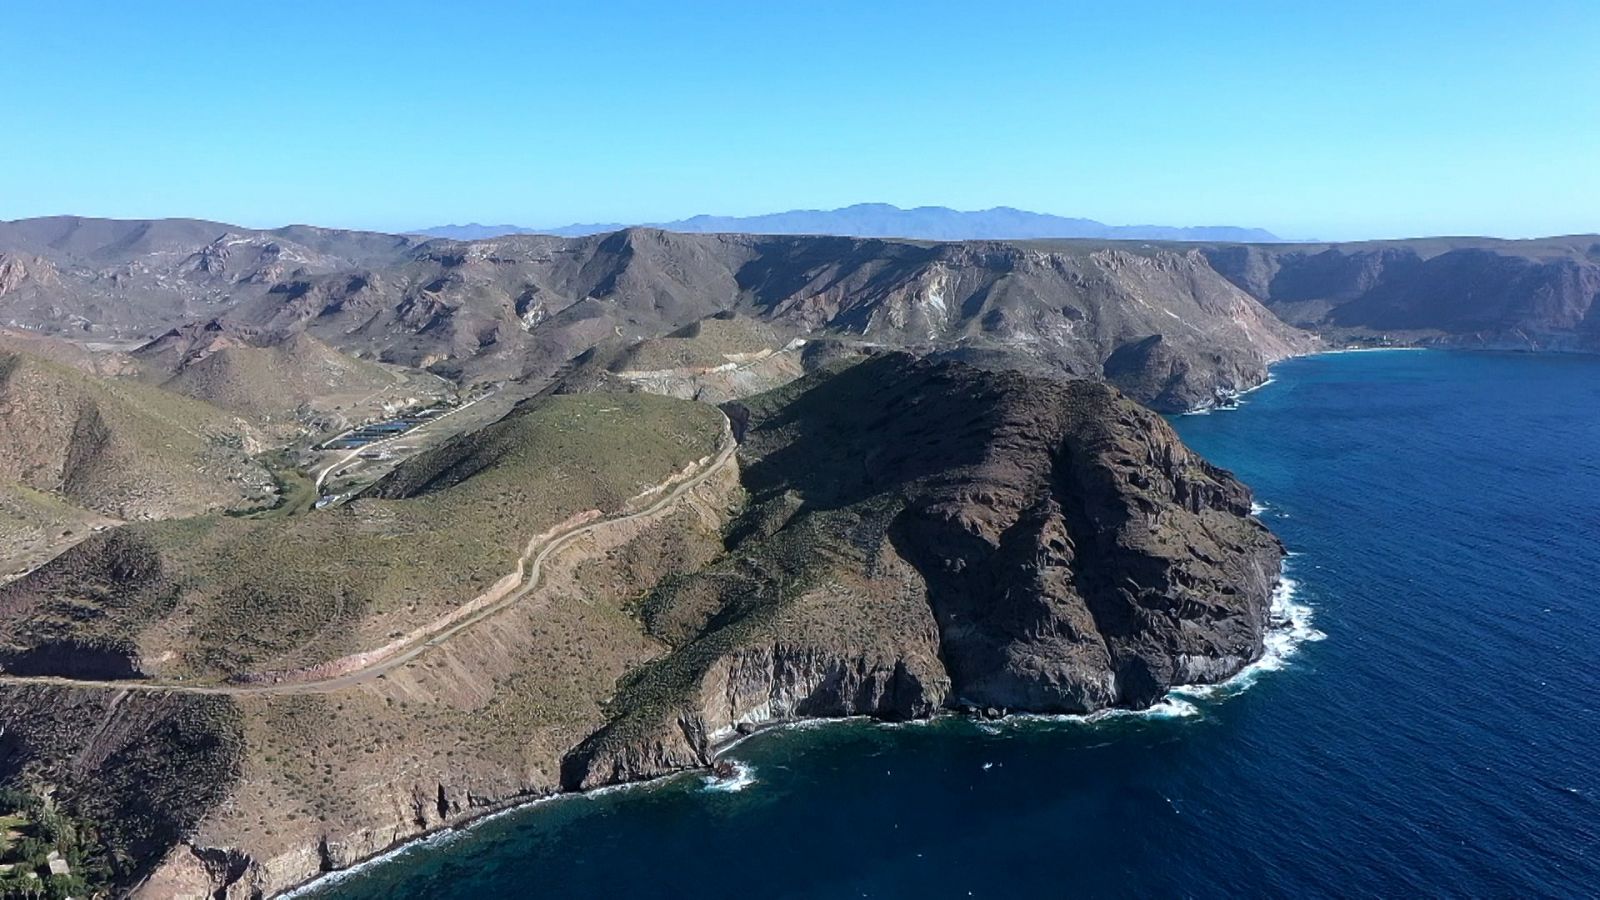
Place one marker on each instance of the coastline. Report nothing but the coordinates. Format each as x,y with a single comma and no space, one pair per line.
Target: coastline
1233,399
1288,627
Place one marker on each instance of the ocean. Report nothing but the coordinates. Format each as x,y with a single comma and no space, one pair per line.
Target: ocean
1428,723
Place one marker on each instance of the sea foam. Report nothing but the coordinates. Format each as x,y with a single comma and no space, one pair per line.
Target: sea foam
1289,626
744,775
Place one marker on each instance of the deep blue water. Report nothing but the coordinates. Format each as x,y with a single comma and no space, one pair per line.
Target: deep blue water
1443,739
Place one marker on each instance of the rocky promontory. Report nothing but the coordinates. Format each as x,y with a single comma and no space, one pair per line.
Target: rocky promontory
928,535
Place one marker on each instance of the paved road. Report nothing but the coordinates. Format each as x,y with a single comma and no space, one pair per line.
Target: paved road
534,559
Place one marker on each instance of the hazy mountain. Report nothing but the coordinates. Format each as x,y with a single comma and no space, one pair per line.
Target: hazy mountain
472,231
930,223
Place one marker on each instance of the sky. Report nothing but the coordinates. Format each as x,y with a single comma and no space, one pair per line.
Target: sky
1312,119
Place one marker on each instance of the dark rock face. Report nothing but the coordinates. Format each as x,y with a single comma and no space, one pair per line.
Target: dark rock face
1075,554
925,535
144,767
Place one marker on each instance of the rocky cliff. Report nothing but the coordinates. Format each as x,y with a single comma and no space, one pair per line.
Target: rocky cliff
1462,292
924,535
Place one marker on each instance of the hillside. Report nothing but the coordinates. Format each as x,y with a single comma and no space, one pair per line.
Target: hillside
527,305
214,600
831,567
1176,324
281,381
121,448
111,278
721,357
1466,292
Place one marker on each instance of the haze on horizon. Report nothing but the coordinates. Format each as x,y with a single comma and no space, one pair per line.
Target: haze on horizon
1366,120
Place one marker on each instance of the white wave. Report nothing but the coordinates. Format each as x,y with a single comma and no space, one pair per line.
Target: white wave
450,834
1257,509
328,879
1343,350
1168,707
1271,379
1229,398
1289,627
910,723
743,776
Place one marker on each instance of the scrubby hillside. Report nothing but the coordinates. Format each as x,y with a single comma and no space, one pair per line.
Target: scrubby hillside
283,381
118,447
722,357
334,773
259,595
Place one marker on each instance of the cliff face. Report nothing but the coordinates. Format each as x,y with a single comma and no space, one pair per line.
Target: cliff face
924,535
1522,295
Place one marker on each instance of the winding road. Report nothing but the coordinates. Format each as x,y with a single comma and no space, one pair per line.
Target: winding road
531,564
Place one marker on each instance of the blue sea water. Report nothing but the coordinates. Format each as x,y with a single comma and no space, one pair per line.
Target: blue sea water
1443,739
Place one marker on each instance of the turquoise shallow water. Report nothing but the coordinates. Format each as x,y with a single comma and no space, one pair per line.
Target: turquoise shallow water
1444,512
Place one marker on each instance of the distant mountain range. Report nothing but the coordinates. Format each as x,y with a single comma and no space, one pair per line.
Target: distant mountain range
881,220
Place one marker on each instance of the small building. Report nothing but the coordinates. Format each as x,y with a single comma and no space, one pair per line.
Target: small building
56,864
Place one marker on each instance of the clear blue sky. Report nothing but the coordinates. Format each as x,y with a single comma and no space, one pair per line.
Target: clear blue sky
1333,120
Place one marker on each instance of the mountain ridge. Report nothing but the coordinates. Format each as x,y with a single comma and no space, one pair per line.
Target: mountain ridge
885,220
1180,325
